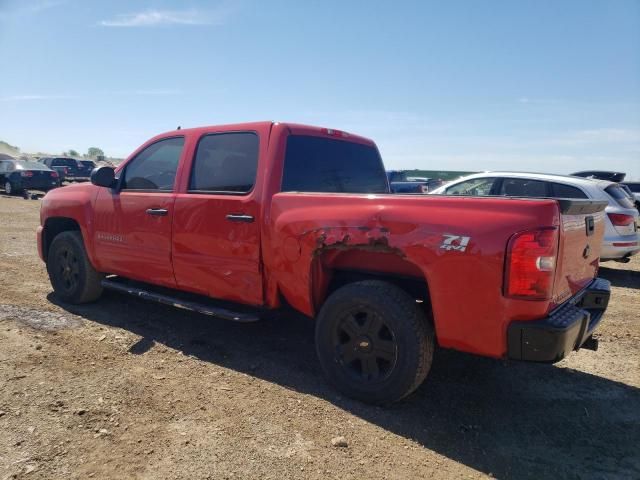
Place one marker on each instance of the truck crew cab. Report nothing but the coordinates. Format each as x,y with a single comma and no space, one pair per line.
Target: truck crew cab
266,214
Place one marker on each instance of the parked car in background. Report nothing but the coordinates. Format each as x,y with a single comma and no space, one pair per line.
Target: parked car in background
19,175
66,167
601,175
432,183
634,187
399,182
85,167
621,239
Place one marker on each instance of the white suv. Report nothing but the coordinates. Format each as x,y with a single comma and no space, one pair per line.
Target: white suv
622,235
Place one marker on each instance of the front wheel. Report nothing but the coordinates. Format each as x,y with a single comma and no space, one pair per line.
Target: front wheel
374,341
72,276
9,189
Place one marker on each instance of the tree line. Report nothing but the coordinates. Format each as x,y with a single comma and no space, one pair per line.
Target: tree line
92,152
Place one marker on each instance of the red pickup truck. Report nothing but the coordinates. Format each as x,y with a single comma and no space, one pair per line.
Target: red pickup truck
233,220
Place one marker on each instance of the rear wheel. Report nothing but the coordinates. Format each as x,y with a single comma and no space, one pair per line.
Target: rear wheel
72,276
374,342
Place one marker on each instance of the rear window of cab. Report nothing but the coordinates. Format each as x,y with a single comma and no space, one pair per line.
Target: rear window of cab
317,164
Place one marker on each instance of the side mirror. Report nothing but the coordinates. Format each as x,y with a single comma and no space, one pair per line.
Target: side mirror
103,177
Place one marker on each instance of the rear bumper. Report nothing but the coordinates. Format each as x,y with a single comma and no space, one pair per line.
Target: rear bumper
36,184
620,247
566,329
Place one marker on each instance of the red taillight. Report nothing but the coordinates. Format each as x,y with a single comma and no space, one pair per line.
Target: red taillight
54,174
26,174
620,219
531,264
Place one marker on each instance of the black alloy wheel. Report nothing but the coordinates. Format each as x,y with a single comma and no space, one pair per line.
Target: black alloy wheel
365,345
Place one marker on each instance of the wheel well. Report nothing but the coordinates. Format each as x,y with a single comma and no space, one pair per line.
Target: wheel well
416,287
54,226
335,268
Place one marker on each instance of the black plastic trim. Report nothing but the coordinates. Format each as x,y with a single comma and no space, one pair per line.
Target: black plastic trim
205,306
566,329
580,207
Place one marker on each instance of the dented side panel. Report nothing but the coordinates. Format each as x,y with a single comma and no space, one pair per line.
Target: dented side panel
456,244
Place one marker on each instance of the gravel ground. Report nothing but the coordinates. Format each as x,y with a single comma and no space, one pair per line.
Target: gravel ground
127,389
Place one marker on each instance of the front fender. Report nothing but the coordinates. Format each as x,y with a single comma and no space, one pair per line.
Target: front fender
73,202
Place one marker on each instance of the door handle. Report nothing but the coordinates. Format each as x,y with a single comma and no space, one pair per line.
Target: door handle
239,217
158,212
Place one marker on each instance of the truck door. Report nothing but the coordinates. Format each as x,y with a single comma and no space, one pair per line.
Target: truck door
216,229
132,234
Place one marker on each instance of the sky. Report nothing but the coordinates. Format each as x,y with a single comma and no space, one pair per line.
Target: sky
547,86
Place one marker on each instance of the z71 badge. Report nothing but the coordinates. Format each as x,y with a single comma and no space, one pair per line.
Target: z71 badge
455,242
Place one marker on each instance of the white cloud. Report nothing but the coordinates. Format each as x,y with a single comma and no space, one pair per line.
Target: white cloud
31,8
154,18
160,92
21,98
607,135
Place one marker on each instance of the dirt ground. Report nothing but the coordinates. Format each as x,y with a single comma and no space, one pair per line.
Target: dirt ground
127,389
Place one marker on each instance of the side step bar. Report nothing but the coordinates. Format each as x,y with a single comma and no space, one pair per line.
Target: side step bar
194,306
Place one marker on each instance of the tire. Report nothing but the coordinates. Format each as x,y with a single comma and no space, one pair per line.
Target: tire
374,341
73,278
9,189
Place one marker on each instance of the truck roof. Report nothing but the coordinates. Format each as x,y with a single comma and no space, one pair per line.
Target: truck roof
297,128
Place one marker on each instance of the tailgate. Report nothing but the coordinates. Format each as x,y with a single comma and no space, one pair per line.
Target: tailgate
582,230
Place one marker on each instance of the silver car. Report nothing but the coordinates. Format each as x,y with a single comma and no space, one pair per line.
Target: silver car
622,235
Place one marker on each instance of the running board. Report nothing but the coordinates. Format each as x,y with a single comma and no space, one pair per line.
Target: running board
194,306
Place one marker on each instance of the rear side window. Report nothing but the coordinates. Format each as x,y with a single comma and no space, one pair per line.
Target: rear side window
316,164
634,187
523,187
567,191
154,168
225,162
28,165
64,162
476,187
396,176
620,196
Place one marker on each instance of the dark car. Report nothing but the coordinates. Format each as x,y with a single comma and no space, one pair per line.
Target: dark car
399,183
601,175
85,167
66,167
634,188
19,175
